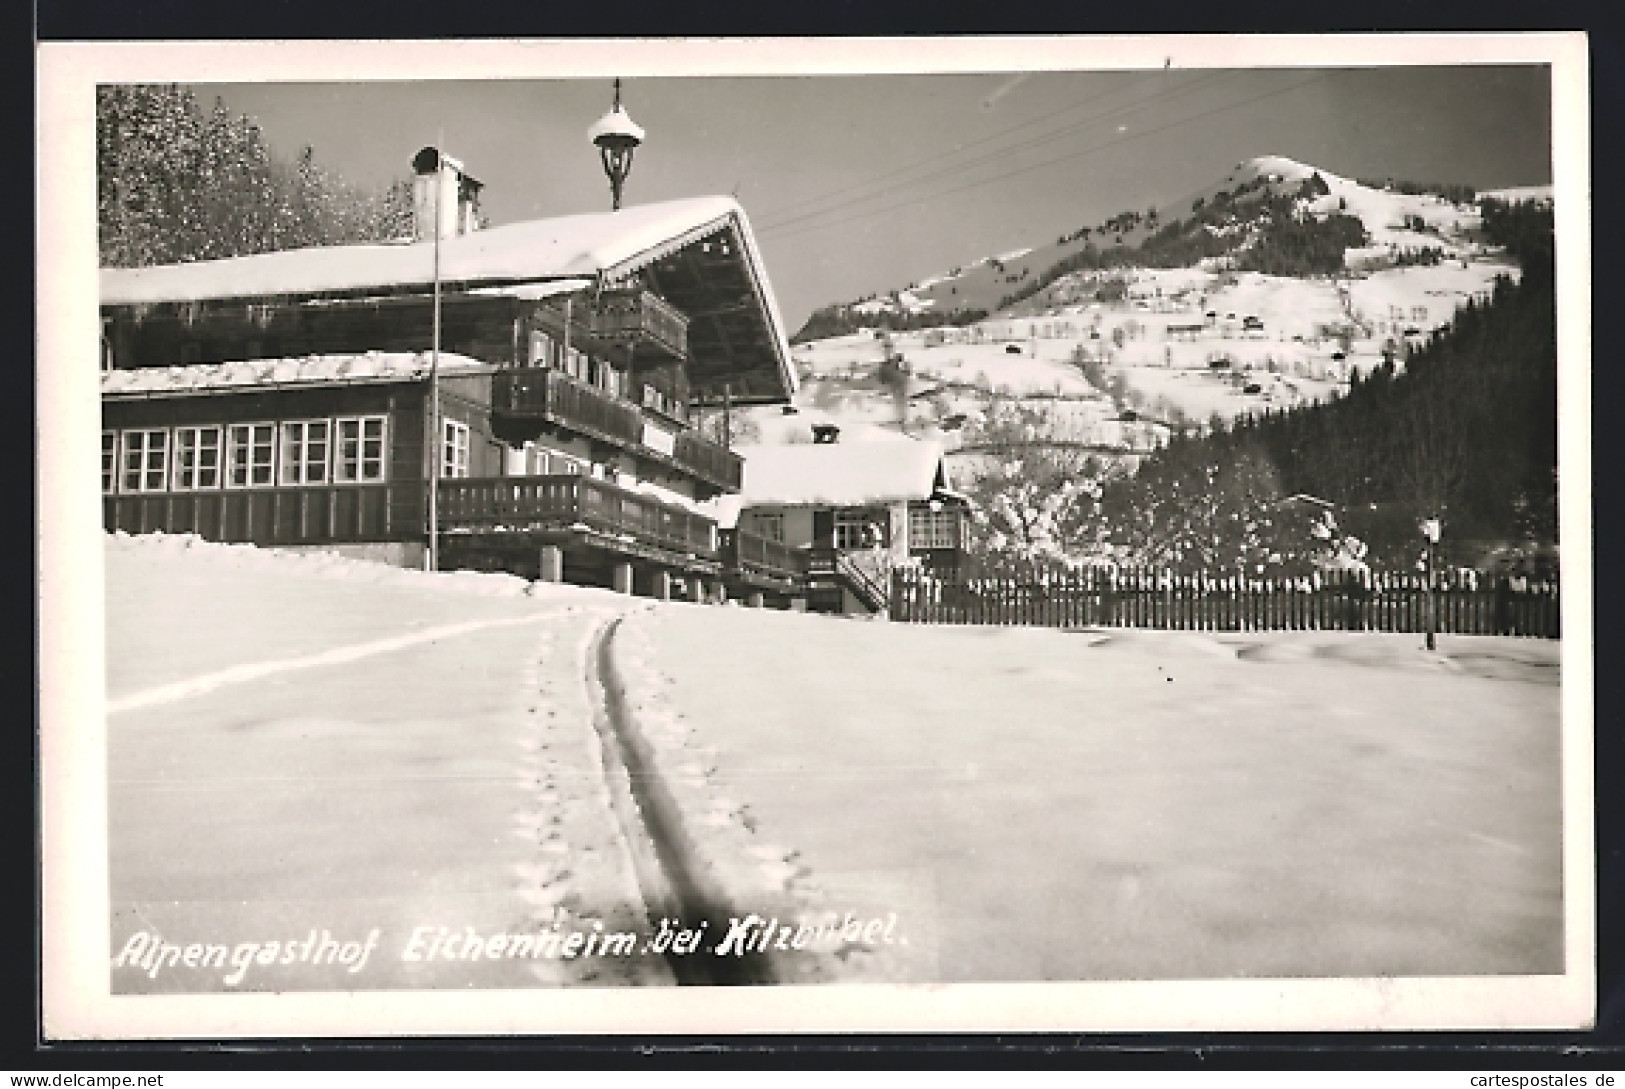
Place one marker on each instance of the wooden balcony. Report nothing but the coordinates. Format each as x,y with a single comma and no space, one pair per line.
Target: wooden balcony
597,511
537,393
641,319
760,559
320,514
709,460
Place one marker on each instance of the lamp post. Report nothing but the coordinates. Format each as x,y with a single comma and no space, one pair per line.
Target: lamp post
616,137
1430,530
436,439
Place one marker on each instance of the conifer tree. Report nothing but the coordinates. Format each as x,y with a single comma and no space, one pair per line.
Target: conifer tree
176,183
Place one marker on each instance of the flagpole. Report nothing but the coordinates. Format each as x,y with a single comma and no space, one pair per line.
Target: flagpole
436,439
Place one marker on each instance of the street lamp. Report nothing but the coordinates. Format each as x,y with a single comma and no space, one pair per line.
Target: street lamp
1430,530
616,137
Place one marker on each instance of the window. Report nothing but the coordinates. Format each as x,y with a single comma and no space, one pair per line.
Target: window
663,402
358,453
304,452
146,461
541,349
540,461
859,529
769,525
575,363
109,462
535,463
250,455
453,448
197,458
929,528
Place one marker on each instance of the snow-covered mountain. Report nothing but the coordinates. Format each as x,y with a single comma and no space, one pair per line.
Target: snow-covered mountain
1226,210
1269,287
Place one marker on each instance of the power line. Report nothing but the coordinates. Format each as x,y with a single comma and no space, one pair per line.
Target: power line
777,227
1113,113
779,232
944,154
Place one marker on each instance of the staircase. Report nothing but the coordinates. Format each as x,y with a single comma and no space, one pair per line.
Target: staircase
867,574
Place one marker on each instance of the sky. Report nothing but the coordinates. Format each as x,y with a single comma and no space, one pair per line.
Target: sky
856,184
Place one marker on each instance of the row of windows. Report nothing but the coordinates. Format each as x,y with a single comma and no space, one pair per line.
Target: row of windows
864,529
344,450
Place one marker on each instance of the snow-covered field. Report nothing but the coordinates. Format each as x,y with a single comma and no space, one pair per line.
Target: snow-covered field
1042,805
302,743
306,744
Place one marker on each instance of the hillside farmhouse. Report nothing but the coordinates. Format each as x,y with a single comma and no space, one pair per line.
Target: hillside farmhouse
292,399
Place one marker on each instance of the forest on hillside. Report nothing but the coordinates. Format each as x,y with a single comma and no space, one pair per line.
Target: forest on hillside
1465,432
1262,227
176,182
840,319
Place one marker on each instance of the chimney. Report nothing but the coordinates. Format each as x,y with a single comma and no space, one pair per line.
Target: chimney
459,195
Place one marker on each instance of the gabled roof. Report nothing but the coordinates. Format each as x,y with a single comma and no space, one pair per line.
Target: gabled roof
248,374
541,249
701,252
841,474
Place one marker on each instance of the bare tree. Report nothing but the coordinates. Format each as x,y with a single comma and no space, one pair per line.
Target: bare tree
1038,489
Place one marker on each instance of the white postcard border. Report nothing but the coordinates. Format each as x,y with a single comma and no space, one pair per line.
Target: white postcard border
75,939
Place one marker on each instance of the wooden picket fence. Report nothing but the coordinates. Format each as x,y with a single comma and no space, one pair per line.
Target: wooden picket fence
1465,603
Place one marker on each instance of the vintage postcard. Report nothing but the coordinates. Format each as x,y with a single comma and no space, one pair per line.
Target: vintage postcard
992,534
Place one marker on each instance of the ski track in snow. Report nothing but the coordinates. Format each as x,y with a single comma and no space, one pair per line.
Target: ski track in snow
208,682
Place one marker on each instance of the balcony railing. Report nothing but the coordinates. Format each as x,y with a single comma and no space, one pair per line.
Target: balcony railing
641,318
519,503
710,460
748,551
540,394
544,394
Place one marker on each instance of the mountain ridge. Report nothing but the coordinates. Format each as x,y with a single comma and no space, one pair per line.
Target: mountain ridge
1215,227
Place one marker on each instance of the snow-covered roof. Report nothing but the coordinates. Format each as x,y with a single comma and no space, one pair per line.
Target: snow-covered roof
542,249
281,373
839,474
742,346
534,292
1519,193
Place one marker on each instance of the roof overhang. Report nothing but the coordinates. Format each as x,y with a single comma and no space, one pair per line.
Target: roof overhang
699,254
259,375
